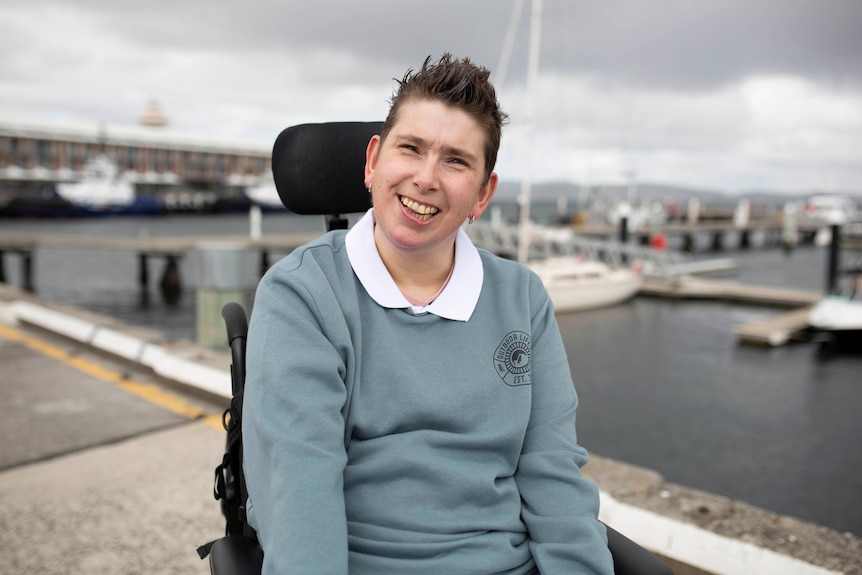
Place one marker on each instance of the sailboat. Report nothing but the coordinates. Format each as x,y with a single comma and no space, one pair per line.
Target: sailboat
573,283
580,284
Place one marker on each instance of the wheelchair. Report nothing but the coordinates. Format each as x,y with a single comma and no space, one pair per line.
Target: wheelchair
318,170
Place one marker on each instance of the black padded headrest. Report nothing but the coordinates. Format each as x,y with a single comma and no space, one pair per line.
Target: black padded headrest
319,169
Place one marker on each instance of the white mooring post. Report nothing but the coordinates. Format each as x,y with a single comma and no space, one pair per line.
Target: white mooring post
255,223
742,214
693,213
790,225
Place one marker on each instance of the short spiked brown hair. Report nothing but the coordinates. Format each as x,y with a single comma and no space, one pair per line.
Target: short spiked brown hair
457,83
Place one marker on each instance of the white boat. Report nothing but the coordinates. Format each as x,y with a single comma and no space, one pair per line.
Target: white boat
841,316
829,209
639,215
265,194
576,284
102,190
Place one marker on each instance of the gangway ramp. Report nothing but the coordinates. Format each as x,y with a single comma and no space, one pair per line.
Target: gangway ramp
776,330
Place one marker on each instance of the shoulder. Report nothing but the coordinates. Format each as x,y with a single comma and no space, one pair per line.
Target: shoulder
326,247
510,279
314,283
319,256
310,272
499,269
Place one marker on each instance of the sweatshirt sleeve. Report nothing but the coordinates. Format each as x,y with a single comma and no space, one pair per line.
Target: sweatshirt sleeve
559,506
293,431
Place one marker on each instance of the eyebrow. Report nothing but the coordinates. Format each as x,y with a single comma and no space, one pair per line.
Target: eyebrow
447,150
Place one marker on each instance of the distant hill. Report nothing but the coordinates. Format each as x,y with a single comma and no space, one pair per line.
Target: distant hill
575,194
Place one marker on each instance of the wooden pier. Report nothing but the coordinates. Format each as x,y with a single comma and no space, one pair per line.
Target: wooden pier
177,246
709,226
772,331
772,228
690,287
170,248
775,330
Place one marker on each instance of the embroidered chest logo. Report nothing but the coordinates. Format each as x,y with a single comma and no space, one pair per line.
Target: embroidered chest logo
512,358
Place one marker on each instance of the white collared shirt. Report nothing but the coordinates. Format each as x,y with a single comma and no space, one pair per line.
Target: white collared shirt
457,300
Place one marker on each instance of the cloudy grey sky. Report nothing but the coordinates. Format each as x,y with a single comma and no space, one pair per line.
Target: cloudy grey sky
730,95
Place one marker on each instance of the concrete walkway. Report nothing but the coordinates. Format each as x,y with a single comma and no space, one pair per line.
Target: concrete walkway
107,466
95,478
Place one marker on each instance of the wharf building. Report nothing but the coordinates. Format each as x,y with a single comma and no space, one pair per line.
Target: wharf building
184,172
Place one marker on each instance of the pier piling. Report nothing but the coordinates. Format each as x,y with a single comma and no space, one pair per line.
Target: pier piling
833,260
143,271
27,271
624,230
688,243
171,284
26,268
624,236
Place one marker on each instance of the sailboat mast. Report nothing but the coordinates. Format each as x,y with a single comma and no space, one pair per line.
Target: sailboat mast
532,81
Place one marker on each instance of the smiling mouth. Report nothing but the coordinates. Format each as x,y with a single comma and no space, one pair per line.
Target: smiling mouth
422,212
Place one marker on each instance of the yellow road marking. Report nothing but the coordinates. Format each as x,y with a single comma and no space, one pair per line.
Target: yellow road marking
146,391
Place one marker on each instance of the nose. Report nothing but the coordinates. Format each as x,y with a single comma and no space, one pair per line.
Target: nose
425,177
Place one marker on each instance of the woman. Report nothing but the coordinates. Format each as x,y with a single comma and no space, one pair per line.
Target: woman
409,406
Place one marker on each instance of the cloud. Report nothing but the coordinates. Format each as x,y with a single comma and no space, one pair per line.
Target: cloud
725,94
700,45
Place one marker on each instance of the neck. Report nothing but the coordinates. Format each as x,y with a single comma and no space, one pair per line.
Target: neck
419,276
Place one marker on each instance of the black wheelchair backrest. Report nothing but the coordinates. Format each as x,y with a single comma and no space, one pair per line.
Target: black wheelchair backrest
319,168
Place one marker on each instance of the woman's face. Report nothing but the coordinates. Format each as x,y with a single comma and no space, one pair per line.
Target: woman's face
426,178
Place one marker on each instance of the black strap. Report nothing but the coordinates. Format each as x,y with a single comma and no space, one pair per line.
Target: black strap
204,550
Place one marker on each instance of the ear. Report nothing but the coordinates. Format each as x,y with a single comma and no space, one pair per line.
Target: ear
485,194
371,158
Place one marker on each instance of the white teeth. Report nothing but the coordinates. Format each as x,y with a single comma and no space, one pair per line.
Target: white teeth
421,209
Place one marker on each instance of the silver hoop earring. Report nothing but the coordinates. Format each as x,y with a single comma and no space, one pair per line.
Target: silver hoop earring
471,220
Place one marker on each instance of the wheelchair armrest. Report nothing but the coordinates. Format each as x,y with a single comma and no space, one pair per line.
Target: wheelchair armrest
632,559
236,555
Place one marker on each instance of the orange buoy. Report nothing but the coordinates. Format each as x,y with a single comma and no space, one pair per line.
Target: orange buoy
658,242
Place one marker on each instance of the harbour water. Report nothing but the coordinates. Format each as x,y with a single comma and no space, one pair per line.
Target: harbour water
663,384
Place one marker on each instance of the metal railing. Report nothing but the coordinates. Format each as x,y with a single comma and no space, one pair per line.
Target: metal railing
545,242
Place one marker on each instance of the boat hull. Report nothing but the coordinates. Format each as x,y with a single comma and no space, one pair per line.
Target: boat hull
840,317
49,204
576,285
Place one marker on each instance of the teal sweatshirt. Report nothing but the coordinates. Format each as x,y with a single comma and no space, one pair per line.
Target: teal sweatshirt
381,441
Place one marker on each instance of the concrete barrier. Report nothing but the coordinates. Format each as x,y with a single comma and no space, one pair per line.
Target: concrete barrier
167,363
698,547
